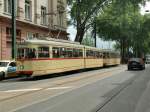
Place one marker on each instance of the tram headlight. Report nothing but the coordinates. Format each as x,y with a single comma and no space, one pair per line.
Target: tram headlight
21,67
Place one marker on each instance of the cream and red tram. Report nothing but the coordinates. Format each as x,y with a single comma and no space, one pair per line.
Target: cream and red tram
93,57
41,57
111,58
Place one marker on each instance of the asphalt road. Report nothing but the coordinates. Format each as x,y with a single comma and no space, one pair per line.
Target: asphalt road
105,90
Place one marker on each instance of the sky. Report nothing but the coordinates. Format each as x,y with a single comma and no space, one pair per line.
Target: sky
146,7
101,43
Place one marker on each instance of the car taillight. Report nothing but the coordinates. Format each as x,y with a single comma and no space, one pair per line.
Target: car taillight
128,62
141,61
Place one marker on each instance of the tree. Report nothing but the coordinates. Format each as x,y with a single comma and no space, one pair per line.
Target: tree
124,24
83,13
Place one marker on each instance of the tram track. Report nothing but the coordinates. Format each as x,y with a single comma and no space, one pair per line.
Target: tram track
62,82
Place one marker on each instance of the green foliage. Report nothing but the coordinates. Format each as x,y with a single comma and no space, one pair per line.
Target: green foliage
122,22
88,41
83,13
117,20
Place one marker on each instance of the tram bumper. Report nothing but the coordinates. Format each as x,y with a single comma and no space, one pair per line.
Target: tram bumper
25,73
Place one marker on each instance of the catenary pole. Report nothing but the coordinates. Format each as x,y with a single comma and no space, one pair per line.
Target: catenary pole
13,6
95,33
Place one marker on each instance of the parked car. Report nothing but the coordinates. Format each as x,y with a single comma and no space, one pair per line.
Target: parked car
7,69
147,61
137,63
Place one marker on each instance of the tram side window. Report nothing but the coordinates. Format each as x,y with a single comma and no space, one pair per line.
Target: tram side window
96,54
26,53
117,55
69,52
111,55
31,53
43,52
56,52
80,53
63,52
90,54
87,53
114,55
77,53
106,55
21,53
100,55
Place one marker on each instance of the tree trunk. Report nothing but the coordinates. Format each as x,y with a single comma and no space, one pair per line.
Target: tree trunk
123,47
121,44
79,35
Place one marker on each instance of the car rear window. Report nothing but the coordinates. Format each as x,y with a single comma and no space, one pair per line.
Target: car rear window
135,59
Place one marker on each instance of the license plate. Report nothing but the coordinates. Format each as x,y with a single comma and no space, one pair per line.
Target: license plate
133,63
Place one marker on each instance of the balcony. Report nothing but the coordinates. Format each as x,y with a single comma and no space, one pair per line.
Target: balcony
9,39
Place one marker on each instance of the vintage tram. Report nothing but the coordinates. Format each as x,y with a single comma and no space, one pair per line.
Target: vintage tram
42,57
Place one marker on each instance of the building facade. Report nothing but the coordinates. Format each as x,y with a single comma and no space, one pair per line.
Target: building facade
34,19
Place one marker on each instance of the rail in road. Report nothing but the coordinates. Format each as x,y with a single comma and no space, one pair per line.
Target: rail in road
53,88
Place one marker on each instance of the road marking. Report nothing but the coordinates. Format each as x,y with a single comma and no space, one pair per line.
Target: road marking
22,90
56,88
35,89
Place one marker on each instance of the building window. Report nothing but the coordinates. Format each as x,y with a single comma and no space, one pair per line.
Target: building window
7,6
9,32
43,15
28,11
29,35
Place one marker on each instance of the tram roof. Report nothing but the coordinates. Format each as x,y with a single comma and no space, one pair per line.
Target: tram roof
59,42
55,42
93,48
110,51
